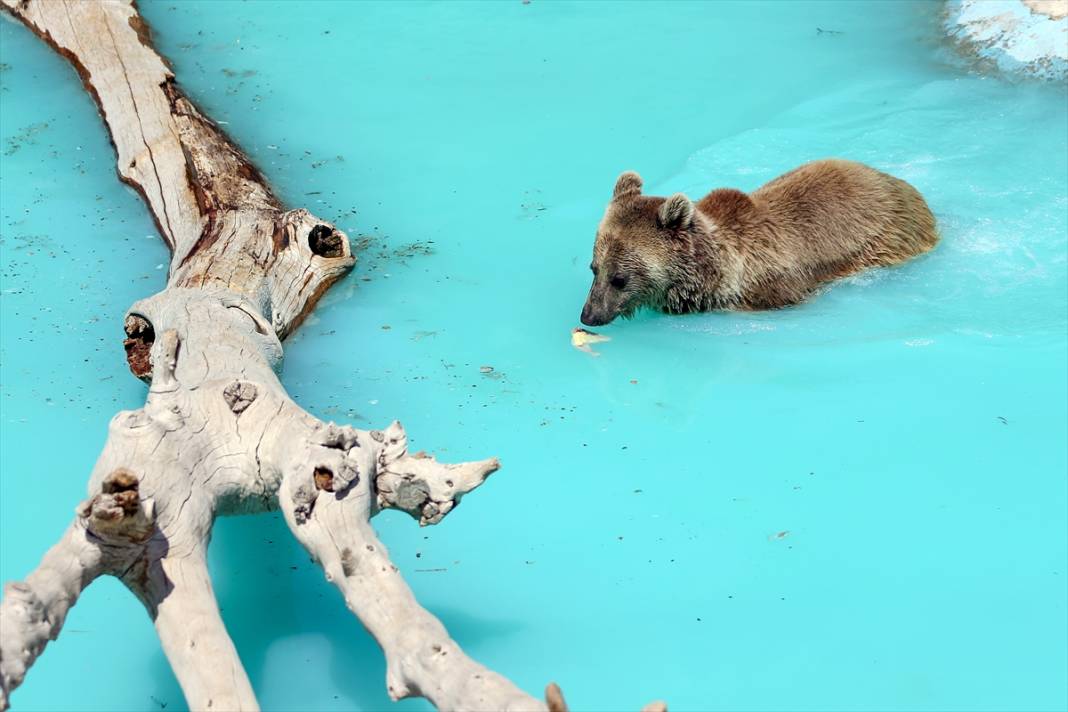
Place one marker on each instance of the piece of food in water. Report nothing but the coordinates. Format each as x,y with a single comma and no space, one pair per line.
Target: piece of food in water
581,340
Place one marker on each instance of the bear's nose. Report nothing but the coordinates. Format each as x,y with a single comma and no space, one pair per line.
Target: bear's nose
588,318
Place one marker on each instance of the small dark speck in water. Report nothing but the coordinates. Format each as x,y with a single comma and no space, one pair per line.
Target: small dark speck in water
1003,420
162,705
637,491
531,208
821,31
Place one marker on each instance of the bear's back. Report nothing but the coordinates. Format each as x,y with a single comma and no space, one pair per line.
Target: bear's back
835,211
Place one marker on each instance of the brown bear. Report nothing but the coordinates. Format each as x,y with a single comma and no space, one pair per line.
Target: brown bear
765,250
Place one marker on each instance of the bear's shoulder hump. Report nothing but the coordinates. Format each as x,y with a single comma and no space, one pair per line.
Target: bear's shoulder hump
727,205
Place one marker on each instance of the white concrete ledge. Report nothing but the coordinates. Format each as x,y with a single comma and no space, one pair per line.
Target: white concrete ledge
1021,37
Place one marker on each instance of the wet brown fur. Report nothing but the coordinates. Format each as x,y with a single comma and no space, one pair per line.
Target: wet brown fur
768,249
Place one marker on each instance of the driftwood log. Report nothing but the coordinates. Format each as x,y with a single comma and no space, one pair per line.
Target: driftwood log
218,433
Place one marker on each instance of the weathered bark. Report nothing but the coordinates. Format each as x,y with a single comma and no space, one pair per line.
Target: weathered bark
218,434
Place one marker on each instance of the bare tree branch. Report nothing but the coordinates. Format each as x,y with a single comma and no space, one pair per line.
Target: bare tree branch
32,611
195,640
329,509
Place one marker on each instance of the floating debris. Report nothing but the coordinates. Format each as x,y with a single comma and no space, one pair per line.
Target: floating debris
231,73
778,536
28,135
490,372
581,340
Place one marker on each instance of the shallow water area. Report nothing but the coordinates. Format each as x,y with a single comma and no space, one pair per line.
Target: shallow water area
858,503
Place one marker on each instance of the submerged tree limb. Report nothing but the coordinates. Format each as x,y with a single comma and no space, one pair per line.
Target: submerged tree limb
218,433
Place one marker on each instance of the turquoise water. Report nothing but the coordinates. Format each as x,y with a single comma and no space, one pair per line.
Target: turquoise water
906,429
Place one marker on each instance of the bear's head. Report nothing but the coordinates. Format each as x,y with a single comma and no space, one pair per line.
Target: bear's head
638,241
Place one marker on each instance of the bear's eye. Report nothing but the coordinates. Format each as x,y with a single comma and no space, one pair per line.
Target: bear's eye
619,281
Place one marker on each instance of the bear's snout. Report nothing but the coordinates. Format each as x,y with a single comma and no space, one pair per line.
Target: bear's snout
590,317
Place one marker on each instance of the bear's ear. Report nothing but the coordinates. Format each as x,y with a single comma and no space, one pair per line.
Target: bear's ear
628,183
676,213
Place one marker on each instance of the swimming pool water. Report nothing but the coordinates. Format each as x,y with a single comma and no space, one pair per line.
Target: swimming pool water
856,504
